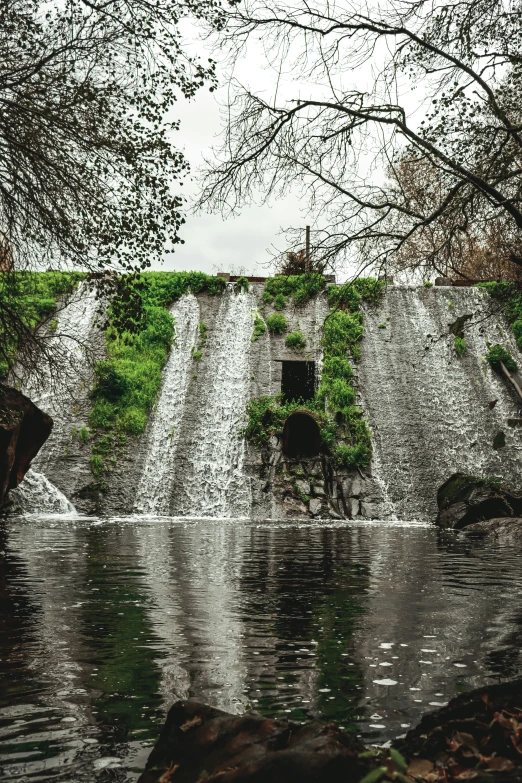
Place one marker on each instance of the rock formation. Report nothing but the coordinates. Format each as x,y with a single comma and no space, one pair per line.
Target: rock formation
464,500
24,428
476,736
199,742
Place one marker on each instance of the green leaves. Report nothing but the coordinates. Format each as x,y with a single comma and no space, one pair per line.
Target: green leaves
375,775
276,323
28,300
460,346
259,328
301,287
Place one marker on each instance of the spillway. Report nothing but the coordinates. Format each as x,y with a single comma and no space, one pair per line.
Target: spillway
66,386
432,413
209,479
154,490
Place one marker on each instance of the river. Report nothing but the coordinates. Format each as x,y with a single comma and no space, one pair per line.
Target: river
106,622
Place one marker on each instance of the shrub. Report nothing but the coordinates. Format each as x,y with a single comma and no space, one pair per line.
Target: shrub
196,355
459,344
296,341
497,354
300,287
242,284
510,294
134,420
340,394
96,464
349,457
259,328
276,323
83,435
280,302
382,326
337,367
427,284
111,382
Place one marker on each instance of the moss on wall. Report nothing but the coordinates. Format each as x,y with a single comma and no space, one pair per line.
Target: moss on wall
510,295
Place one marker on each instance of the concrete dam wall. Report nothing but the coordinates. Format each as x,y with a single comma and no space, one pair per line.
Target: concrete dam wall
431,412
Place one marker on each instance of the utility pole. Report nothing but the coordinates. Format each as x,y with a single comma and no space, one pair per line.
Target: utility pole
308,261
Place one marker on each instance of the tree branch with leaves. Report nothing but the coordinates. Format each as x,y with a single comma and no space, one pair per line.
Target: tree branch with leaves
347,130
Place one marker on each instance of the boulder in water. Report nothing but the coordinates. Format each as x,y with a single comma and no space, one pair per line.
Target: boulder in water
24,428
199,743
464,500
502,528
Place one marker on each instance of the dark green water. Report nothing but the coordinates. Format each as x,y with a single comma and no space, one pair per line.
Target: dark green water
105,623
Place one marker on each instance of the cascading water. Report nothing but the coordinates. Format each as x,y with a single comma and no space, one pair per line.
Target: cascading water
37,495
62,388
210,480
431,412
154,490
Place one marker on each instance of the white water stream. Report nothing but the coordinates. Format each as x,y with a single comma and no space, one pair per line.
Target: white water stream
210,482
154,490
37,495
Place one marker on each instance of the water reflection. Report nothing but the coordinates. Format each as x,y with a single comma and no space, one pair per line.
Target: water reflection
106,622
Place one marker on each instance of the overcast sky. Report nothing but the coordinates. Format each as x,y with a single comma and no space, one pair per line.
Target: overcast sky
243,243
212,244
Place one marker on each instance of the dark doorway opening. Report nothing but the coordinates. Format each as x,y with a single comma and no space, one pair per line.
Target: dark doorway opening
298,381
301,436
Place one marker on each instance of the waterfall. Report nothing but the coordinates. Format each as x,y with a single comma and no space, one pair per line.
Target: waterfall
428,409
210,482
155,485
68,381
36,495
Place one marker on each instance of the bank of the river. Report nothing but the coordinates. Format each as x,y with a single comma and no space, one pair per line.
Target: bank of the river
107,622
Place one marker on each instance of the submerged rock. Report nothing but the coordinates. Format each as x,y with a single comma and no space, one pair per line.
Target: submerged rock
24,428
464,500
201,743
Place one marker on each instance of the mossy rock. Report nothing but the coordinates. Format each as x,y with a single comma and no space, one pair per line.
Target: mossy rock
464,500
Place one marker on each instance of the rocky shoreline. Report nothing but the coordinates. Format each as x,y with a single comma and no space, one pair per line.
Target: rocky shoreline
478,735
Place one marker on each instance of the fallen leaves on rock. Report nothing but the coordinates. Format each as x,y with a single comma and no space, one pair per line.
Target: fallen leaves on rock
467,746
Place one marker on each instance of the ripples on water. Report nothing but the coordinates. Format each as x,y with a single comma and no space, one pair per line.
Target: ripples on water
105,623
